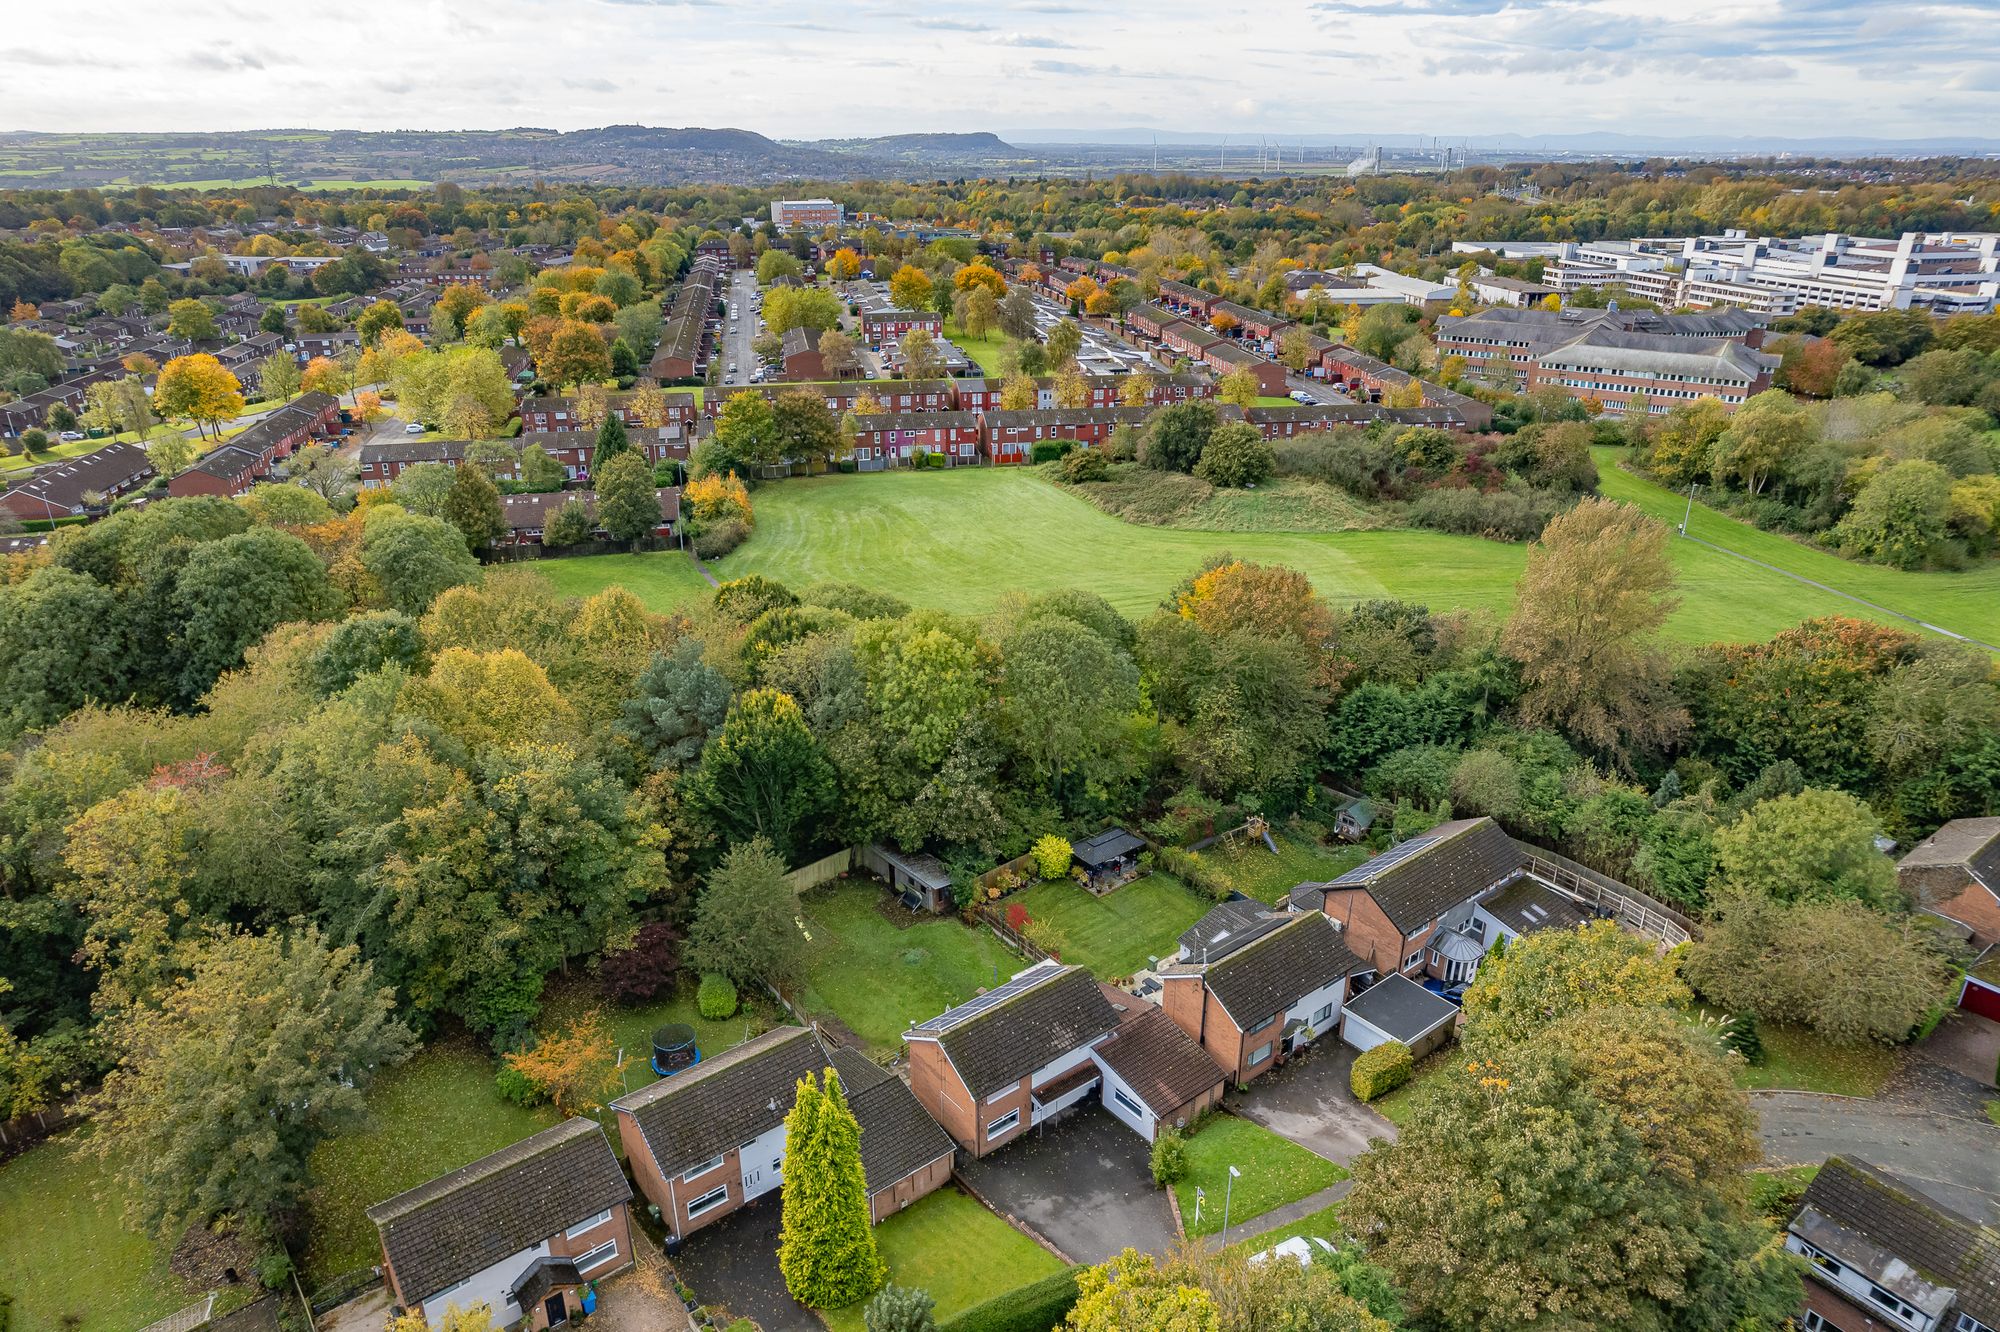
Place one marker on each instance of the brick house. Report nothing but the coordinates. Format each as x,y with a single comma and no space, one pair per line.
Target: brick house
1226,357
1254,324
526,515
1187,300
1149,319
1955,874
330,344
879,327
1189,340
251,454
1433,905
1882,1253
1010,437
521,1230
382,461
1035,1048
711,1138
556,412
1253,986
801,354
66,489
881,442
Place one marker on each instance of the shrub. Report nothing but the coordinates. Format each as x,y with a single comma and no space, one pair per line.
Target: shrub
273,1271
716,999
1740,1034
1236,455
900,1309
718,539
1052,856
1035,1307
1192,870
1048,450
1080,465
1170,1158
936,460
1380,1070
1516,513
644,969
513,1085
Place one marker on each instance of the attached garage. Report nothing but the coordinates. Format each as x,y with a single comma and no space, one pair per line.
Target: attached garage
1981,993
1398,1009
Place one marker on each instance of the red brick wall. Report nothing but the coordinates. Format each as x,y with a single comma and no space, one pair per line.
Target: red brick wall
1368,933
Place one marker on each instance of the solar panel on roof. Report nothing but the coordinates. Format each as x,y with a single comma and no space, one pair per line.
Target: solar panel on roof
951,1017
1367,870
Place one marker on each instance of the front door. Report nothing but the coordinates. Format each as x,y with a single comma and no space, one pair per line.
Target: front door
557,1309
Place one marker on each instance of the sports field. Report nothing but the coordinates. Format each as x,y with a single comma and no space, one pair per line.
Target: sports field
962,539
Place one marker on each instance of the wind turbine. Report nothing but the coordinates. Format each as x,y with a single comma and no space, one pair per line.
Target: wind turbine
1222,154
1156,153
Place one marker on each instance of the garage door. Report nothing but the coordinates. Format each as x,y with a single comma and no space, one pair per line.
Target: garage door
1360,1034
1980,998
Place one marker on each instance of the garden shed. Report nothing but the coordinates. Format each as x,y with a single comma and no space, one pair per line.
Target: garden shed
919,879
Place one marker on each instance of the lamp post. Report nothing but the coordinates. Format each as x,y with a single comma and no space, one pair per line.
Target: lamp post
1199,1195
1228,1188
1689,515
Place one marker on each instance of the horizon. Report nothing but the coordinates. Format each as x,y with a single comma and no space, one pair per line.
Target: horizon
1578,67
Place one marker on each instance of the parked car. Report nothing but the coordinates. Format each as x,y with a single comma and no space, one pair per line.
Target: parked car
414,428
1300,1249
71,436
1301,397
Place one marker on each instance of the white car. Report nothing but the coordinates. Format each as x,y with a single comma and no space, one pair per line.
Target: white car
1302,397
71,436
1299,1248
414,428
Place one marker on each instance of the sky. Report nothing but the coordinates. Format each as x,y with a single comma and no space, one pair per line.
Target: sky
1796,68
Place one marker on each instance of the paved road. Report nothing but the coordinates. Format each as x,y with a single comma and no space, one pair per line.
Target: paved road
1955,1159
739,330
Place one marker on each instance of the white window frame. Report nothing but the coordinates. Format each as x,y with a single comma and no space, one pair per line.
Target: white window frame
1130,1104
1007,1123
1003,1093
708,1202
1413,959
597,1257
689,1175
1259,1055
588,1223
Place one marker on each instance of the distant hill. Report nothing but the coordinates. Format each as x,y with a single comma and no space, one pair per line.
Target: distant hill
979,144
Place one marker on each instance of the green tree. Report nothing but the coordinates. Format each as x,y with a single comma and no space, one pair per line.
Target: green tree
54,637
1065,340
1900,517
627,506
232,592
774,264
221,1092
763,773
1593,597
539,471
278,374
1017,314
624,361
413,558
826,1243
901,1308
804,425
1236,455
1176,435
571,524
678,703
191,319
746,436
377,319
1546,976
1815,844
746,920
472,505
1762,438
612,440
1067,694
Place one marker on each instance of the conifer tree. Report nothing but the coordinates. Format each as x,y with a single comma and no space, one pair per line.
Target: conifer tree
826,1245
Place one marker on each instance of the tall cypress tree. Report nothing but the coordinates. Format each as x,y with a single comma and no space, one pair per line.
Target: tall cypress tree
826,1245
611,441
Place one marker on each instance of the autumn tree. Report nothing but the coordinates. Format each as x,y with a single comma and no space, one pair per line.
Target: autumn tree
191,319
198,388
323,374
575,354
1065,340
1072,388
1239,388
1595,593
980,276
845,265
922,357
1295,349
826,1239
222,1090
278,376
1017,393
839,354
454,305
575,1069
1017,314
910,288
384,316
1543,977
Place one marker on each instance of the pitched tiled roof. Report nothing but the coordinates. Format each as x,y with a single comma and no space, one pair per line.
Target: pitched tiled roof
999,1038
1419,880
1227,926
1945,1248
898,1136
478,1215
1973,843
1157,1060
723,1102
1270,974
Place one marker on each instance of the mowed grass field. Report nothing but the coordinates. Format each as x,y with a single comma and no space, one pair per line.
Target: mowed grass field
962,539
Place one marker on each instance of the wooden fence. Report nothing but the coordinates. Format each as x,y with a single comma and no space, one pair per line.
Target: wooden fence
1624,904
1018,865
18,1135
821,870
996,921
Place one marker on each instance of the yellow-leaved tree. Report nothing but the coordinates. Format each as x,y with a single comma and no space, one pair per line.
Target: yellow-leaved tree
197,388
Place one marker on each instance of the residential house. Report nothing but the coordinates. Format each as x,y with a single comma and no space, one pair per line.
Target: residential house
1433,905
1367,379
526,515
881,327
889,441
1226,357
522,1230
1954,874
801,354
1253,324
307,346
1187,300
1885,1254
382,461
251,454
1189,340
1149,319
711,1138
1010,437
76,485
1254,989
1154,1076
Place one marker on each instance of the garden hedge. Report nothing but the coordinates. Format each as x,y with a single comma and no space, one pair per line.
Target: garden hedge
1380,1070
716,997
1048,450
1035,1307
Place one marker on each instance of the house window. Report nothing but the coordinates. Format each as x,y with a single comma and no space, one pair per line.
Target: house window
600,1255
708,1202
588,1223
1892,1304
1118,1093
1967,1323
1003,1124
1477,929
1325,1012
1413,959
1259,1055
702,1169
1253,1030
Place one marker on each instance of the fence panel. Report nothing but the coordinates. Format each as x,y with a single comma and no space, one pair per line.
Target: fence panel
1646,914
821,870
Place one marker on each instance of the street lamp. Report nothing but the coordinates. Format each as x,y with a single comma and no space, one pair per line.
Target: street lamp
1227,1189
1199,1195
1686,517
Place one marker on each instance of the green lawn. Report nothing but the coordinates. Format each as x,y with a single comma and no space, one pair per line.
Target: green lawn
985,352
1274,400
1966,603
1114,935
1249,867
435,1113
662,579
877,978
632,1026
1397,1106
64,1248
1797,1060
1275,1171
954,1248
963,538
55,452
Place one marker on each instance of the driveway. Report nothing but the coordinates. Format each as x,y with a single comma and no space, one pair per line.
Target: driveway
734,1264
1951,1072
1967,1044
1085,1185
1308,1101
1955,1159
